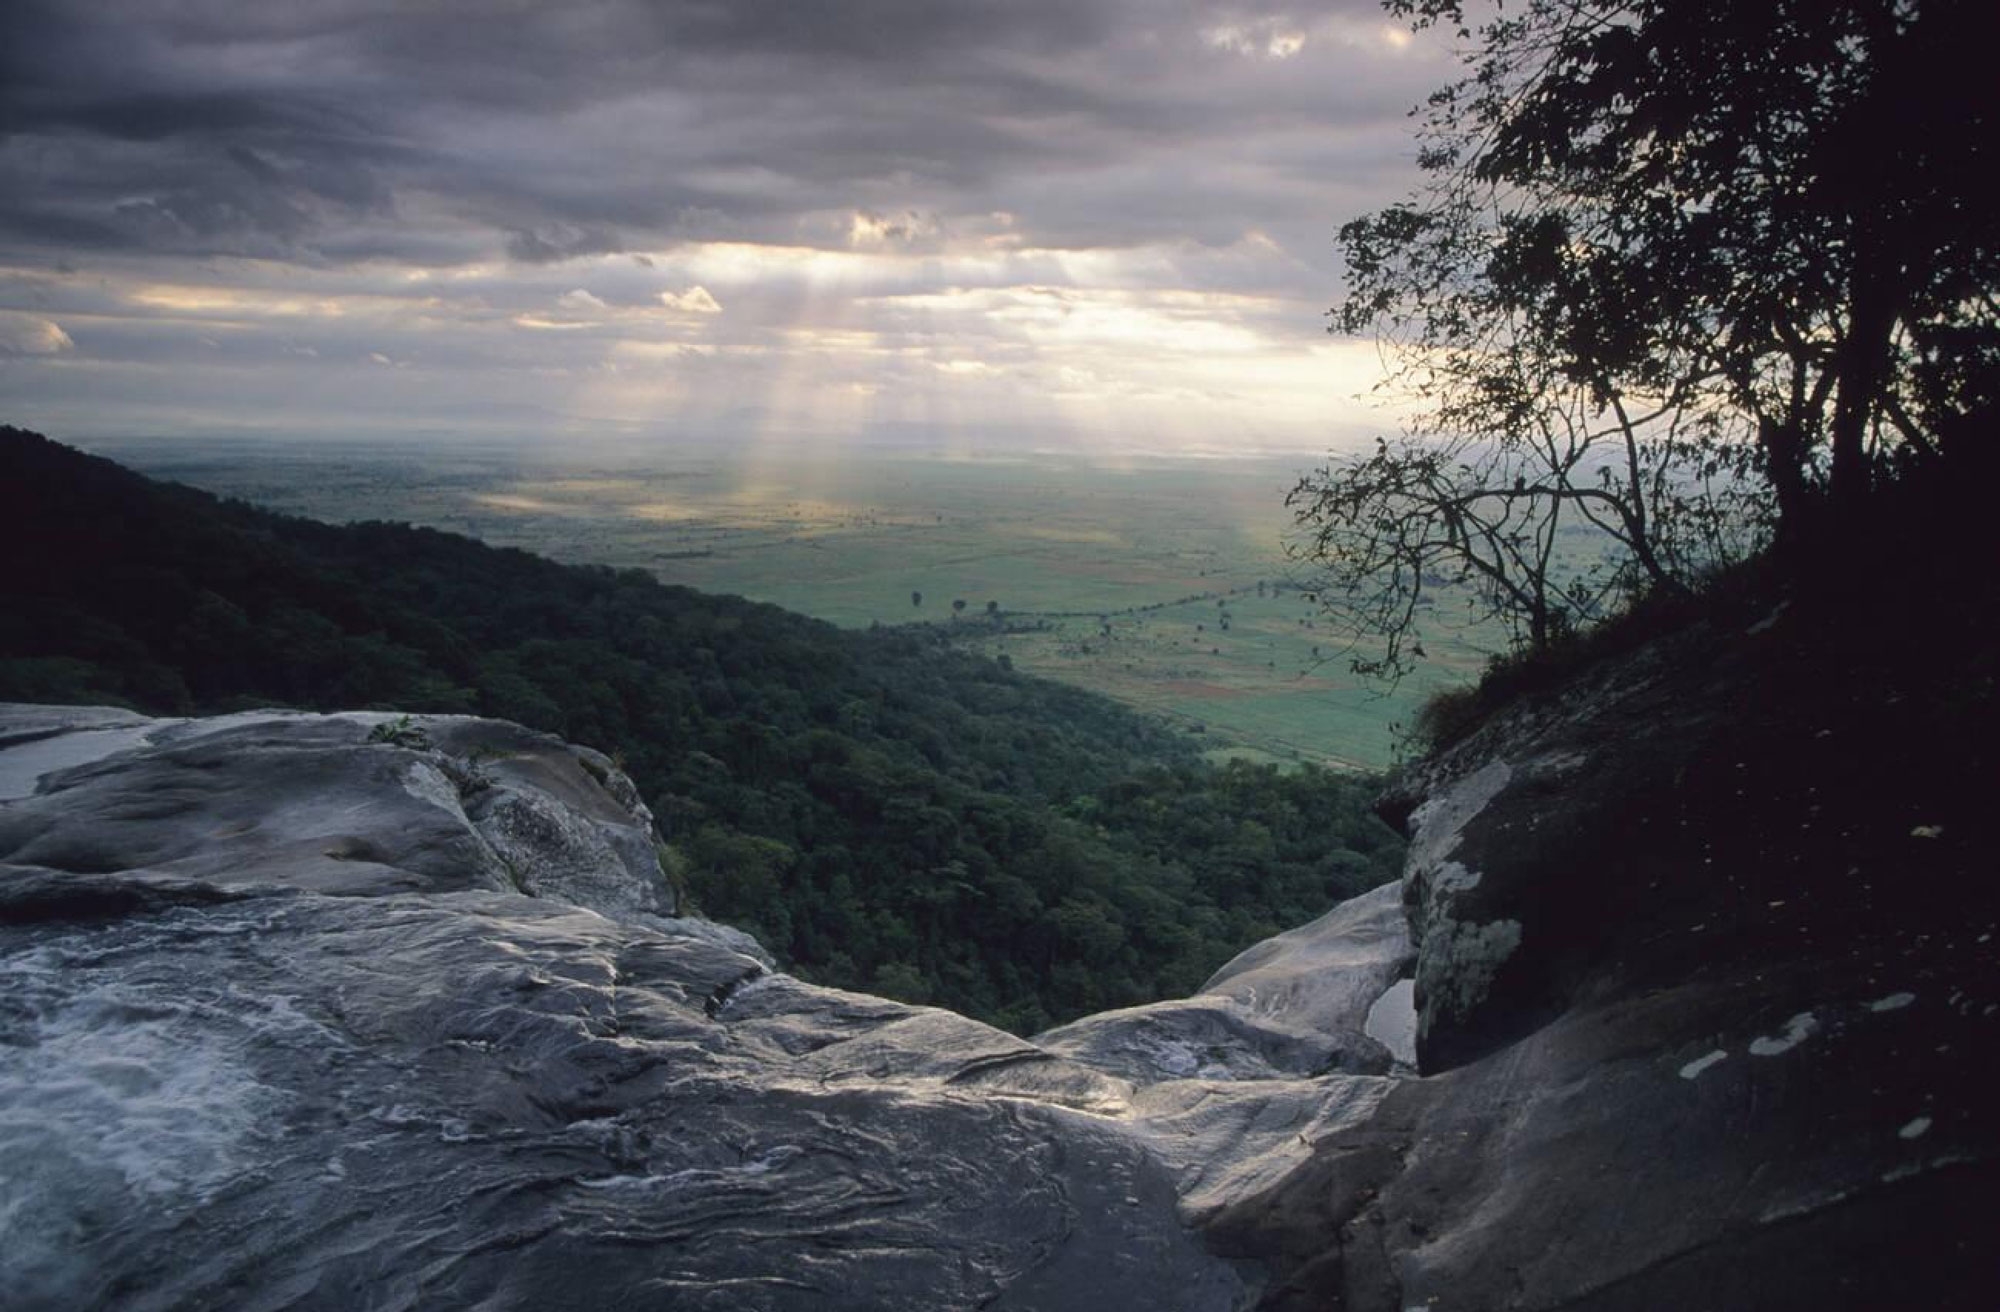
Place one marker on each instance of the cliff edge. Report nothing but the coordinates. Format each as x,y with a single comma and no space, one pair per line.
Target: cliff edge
1706,988
322,1011
1695,953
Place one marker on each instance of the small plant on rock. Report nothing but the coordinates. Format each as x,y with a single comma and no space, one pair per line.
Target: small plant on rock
401,732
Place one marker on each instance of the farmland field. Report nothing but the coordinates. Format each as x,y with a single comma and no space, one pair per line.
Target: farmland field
1159,582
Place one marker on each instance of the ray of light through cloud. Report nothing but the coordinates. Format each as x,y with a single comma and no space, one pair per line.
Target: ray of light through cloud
1048,224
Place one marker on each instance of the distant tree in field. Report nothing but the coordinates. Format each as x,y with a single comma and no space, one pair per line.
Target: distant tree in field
958,607
1690,273
916,598
993,608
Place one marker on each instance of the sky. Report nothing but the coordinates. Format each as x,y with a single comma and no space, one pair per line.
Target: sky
968,224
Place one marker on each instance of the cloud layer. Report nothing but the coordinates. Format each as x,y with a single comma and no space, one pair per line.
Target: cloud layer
1047,219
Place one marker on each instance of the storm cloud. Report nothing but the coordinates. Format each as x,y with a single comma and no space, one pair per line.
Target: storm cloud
976,206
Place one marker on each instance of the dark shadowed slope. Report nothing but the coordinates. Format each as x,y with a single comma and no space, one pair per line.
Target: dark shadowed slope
1708,972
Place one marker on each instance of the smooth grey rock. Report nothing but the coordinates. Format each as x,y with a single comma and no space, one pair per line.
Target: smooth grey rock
1229,1140
1294,1005
459,1099
309,801
725,936
22,722
1392,1022
290,1017
40,740
1209,1038
1324,975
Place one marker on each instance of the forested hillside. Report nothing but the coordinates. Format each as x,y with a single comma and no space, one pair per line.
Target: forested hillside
885,812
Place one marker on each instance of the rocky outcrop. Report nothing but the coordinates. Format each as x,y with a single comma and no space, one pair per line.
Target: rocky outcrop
1293,1005
1695,962
347,804
354,1010
1707,1006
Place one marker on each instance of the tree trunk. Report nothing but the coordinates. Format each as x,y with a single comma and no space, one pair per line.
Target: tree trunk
1861,365
1784,445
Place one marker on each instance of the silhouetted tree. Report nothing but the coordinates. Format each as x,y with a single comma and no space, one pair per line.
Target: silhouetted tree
1685,270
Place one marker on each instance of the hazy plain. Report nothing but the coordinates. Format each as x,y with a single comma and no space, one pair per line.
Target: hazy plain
1160,581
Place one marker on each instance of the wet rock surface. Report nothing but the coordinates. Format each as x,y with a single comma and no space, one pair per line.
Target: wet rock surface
338,1011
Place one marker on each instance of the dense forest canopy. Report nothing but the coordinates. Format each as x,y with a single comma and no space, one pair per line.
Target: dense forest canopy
884,811
1698,274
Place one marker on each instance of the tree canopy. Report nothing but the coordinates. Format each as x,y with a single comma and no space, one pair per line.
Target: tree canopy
885,812
1690,272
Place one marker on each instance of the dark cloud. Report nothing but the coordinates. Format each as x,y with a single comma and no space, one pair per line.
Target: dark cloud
275,128
561,241
730,216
